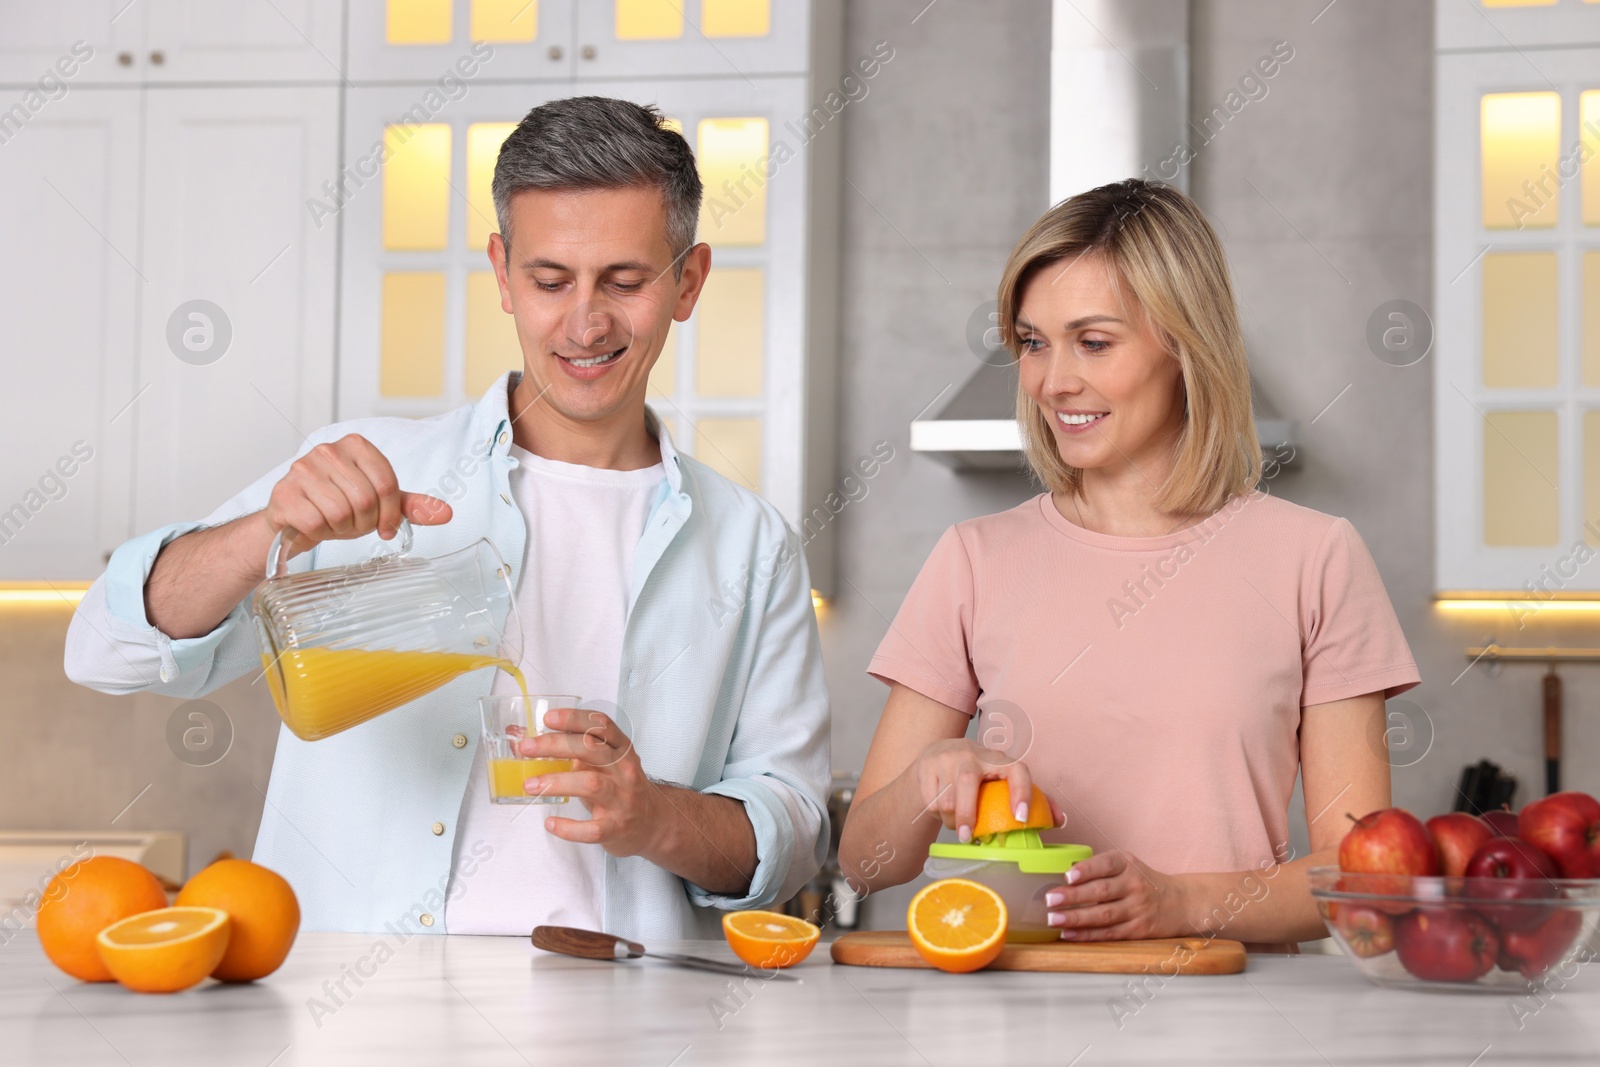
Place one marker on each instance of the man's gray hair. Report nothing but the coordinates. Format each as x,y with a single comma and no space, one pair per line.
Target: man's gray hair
596,142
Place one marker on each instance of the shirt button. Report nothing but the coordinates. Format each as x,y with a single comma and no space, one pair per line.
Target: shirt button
459,740
504,437
163,674
506,499
425,919
438,828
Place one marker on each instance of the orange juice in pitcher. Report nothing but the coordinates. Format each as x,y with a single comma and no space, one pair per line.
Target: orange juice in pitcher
343,644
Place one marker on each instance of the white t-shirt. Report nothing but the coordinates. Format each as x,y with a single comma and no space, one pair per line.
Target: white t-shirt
572,595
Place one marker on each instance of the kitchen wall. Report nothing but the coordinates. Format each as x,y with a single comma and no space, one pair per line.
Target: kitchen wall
945,159
74,759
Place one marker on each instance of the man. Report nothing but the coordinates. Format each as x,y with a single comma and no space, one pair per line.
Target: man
615,543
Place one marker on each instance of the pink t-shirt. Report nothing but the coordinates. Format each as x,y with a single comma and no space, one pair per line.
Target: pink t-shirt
1153,685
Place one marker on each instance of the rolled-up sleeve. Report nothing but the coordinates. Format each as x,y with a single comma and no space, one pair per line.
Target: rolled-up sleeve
111,645
778,761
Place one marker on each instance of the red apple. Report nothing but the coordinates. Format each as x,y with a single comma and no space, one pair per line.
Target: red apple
1393,885
1391,841
1566,825
1446,944
1506,868
1458,836
1532,952
1365,930
1502,821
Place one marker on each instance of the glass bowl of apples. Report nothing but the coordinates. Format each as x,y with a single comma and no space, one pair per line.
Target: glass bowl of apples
1455,933
1463,904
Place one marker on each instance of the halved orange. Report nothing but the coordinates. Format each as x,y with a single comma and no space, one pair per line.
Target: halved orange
769,939
957,925
165,950
996,817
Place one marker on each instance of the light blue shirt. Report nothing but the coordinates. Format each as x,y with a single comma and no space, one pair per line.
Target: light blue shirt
721,680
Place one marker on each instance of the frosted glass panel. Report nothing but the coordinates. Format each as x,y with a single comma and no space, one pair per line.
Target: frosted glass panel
649,20
1591,476
491,342
411,346
1519,319
419,22
732,155
664,374
1520,503
729,324
735,18
732,448
483,149
1589,131
1520,138
505,20
416,187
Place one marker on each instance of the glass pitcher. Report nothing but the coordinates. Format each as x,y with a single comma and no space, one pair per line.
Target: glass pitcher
341,645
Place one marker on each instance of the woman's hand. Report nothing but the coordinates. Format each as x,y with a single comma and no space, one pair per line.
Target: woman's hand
948,774
1115,897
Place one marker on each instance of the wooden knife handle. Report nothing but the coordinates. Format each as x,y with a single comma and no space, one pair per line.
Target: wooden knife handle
585,944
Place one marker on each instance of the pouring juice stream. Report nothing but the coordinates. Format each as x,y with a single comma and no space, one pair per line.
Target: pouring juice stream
325,690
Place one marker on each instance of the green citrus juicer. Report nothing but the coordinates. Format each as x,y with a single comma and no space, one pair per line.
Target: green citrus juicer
1017,865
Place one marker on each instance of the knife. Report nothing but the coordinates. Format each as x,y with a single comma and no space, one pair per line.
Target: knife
593,945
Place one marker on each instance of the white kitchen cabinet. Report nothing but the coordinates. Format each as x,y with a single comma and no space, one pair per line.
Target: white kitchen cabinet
35,37
734,39
172,41
422,41
69,222
206,165
239,40
229,173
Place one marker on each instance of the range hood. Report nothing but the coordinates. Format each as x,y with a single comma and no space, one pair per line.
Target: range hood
977,429
1119,102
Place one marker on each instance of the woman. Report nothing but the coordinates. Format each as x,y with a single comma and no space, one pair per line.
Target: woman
1168,643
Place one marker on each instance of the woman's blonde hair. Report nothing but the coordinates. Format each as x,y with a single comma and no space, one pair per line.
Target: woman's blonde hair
1160,248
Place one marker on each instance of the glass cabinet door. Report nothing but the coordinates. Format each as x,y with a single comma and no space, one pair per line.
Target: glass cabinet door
633,38
424,40
422,330
729,382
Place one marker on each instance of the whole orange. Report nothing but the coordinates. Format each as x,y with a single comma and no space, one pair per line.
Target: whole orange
265,915
86,898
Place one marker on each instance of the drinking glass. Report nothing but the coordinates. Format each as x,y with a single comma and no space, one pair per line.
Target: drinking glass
506,720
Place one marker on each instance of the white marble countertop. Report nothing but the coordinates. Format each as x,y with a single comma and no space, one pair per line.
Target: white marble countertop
497,1001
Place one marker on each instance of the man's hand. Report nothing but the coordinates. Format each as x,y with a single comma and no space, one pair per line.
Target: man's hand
607,778
701,837
343,490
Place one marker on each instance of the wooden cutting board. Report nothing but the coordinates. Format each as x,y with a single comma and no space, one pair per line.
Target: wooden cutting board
1163,956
